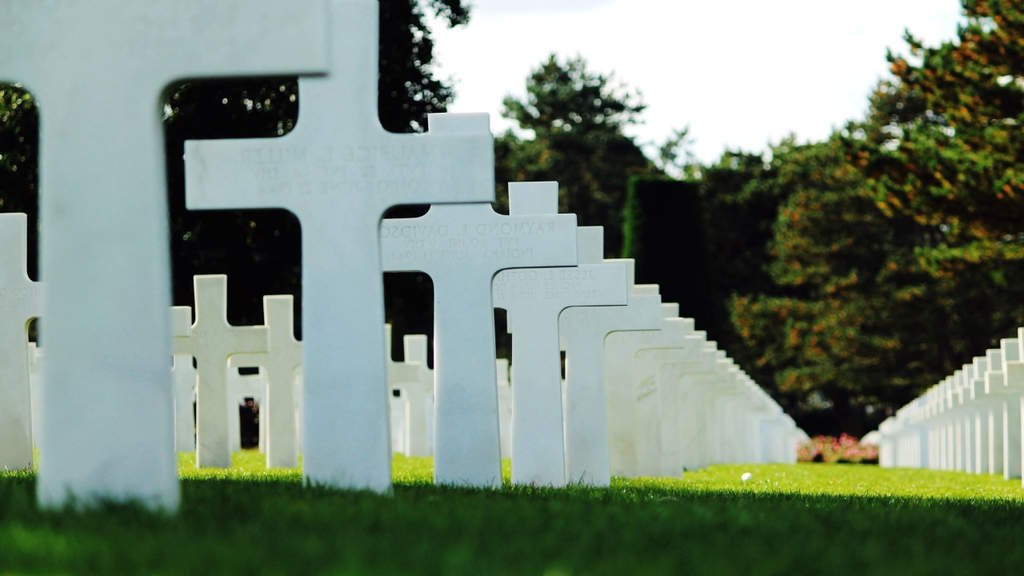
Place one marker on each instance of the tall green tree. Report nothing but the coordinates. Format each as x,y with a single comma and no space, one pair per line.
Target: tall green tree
571,128
896,255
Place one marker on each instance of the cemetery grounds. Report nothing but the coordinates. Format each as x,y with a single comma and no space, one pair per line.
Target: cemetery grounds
786,519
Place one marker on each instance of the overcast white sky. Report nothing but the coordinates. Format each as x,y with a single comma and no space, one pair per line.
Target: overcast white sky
740,73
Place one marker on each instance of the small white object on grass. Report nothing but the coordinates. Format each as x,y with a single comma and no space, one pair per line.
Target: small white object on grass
746,476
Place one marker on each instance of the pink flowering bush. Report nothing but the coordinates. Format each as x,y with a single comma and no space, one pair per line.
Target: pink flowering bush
830,450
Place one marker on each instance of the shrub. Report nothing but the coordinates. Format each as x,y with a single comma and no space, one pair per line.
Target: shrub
831,450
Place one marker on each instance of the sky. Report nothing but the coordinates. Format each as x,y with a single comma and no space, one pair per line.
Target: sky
740,73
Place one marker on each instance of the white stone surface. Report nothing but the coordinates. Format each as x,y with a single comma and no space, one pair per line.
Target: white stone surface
657,402
338,171
284,359
421,398
98,69
409,409
183,378
461,247
504,406
22,301
211,340
630,396
35,367
582,331
534,298
279,367
1010,354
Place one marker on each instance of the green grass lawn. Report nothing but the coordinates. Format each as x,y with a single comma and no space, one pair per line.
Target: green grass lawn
804,519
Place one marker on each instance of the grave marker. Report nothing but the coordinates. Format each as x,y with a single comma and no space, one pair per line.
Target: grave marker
279,366
409,409
421,398
184,381
504,407
583,331
338,171
211,340
98,69
461,247
21,301
534,298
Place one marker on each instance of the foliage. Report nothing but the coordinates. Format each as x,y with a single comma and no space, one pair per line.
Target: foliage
894,255
19,179
246,521
832,450
573,123
664,233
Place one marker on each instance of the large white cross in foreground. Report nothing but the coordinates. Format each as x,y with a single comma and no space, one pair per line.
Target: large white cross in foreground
97,69
338,171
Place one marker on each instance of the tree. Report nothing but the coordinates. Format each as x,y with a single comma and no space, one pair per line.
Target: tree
574,123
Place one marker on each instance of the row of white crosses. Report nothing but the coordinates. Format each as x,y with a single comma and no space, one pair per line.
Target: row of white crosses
667,365
106,418
968,422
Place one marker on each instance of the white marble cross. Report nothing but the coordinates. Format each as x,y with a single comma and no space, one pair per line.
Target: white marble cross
35,366
408,413
420,442
98,69
656,403
279,367
534,298
582,331
184,381
20,301
338,171
241,386
282,364
212,341
630,396
461,247
504,407
1012,391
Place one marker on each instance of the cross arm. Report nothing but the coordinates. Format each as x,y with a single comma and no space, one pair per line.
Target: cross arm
249,339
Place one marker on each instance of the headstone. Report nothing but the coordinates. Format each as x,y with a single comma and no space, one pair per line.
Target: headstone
338,171
184,381
504,406
279,367
407,390
35,367
1010,353
211,340
461,247
534,298
583,331
98,69
22,301
183,374
690,374
421,398
656,403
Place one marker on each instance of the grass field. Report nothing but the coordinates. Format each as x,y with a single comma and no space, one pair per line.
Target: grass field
804,519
